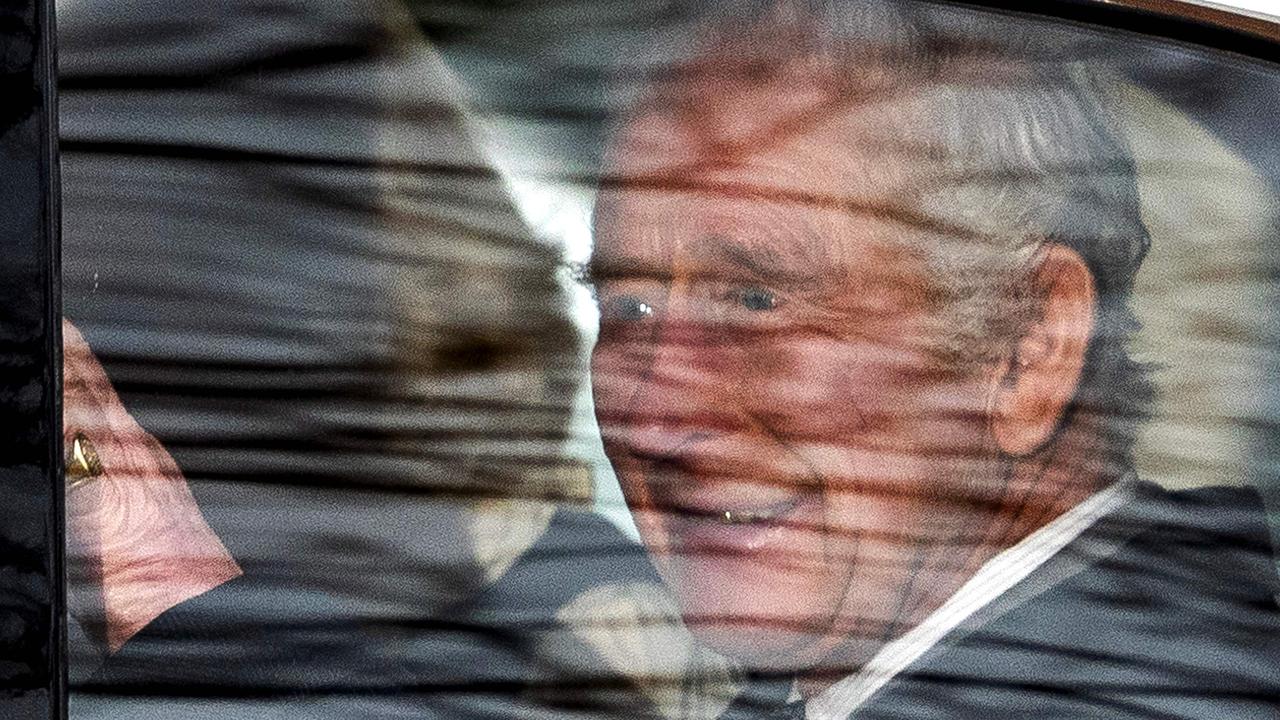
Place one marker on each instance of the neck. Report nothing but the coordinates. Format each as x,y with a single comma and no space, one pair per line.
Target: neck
1036,490
1046,484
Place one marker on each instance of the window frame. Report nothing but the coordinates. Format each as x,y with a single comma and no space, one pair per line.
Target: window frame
32,582
1185,21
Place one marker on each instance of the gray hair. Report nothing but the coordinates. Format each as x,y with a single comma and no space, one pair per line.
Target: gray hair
1034,156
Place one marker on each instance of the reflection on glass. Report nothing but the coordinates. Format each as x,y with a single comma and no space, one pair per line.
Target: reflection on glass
928,349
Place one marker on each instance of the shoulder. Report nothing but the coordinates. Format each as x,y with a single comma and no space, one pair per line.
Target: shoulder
1182,617
1172,613
1211,541
1198,560
267,646
585,604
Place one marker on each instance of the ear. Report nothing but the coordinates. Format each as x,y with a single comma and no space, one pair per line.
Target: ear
1038,379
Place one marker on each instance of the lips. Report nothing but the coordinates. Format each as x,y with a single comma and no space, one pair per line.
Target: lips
731,508
723,492
760,514
743,530
728,515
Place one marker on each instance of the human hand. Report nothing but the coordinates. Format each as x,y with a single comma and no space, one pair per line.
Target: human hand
137,542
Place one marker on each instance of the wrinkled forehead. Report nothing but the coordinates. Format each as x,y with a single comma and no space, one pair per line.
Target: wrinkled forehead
748,192
783,158
893,151
768,129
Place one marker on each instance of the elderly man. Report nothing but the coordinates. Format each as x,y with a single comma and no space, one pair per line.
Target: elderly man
862,374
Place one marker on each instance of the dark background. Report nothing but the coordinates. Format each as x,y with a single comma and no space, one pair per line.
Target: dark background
30,505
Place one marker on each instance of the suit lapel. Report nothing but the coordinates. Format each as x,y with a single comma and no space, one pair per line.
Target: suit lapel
1100,541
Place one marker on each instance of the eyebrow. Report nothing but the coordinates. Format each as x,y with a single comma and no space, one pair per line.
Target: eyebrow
797,262
760,258
599,268
799,259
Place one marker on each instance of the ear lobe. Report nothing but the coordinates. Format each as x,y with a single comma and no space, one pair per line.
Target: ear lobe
1038,380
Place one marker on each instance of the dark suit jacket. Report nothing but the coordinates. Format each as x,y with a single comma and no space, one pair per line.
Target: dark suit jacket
259,648
1165,609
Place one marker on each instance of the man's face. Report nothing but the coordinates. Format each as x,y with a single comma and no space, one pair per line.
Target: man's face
796,458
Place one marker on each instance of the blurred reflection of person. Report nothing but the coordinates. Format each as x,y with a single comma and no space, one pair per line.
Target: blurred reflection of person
862,374
356,501
179,628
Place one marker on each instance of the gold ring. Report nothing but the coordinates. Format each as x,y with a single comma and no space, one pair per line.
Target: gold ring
83,464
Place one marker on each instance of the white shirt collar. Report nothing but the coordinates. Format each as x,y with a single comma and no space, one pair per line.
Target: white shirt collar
993,579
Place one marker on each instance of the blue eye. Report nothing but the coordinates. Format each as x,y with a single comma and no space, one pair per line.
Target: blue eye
756,299
629,308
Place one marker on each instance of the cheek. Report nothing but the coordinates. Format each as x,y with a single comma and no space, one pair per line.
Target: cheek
887,431
828,390
834,391
615,374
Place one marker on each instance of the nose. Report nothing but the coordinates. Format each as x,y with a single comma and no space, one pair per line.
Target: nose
680,394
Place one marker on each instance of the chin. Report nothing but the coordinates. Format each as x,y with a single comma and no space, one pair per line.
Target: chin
757,649
763,623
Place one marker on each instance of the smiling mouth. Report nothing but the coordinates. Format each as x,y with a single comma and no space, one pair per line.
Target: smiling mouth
766,514
730,498
739,517
742,529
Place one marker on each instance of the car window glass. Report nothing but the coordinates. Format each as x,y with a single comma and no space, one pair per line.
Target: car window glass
667,360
